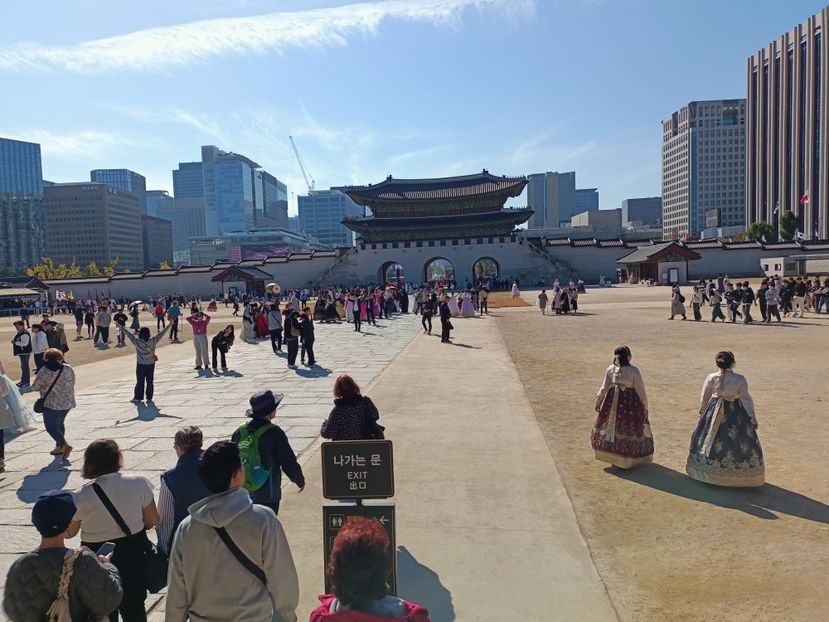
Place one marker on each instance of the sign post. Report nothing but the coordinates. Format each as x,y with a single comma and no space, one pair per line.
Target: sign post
335,515
357,470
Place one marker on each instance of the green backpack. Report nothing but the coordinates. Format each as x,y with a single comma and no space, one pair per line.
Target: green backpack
256,475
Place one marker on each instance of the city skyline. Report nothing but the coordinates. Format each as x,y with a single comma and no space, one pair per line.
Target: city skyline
122,105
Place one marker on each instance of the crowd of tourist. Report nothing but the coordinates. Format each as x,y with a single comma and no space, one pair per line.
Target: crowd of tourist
792,296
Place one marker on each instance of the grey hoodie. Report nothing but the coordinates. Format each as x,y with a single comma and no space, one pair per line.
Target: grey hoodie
207,583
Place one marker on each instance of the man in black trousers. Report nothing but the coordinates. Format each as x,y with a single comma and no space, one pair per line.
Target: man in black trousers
445,322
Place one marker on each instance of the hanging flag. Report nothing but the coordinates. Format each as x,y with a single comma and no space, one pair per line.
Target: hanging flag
763,238
780,238
817,234
798,235
777,206
804,199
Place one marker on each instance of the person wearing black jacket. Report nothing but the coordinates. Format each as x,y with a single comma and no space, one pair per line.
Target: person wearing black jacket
354,416
220,344
292,332
426,311
274,450
445,321
306,335
747,301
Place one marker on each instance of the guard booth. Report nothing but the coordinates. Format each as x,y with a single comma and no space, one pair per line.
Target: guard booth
253,278
665,263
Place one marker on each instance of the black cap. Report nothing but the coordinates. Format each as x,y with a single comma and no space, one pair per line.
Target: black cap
263,403
53,512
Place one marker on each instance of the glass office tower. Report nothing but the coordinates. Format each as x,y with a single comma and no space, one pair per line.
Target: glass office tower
21,205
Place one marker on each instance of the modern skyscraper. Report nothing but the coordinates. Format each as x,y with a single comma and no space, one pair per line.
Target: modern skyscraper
157,236
123,179
647,210
321,214
21,204
274,201
555,199
703,165
91,221
153,197
787,122
188,180
187,218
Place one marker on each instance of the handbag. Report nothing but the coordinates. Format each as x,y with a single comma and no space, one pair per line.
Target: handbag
40,403
155,561
243,559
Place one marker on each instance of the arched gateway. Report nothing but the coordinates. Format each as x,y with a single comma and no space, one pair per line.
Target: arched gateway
391,272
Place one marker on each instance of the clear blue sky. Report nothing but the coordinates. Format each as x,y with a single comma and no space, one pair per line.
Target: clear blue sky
412,88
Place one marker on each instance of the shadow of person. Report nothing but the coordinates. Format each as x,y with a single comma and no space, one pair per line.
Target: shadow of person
762,501
232,374
419,584
466,345
313,372
52,477
147,412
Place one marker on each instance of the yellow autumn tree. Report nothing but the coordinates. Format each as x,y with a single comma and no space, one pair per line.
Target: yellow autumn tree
164,265
74,271
92,269
112,267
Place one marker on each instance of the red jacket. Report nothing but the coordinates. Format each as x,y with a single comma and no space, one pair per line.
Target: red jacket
415,613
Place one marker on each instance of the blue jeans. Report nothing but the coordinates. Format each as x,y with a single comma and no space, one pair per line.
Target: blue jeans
53,420
24,368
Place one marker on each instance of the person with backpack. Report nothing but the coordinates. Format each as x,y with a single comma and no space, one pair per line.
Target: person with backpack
266,452
677,304
292,333
306,335
230,558
74,584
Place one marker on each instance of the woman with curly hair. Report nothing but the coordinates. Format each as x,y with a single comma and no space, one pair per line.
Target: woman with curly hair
357,575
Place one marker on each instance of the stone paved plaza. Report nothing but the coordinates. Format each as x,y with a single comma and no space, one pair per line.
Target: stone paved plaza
183,396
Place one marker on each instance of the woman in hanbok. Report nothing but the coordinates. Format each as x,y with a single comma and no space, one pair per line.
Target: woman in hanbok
349,309
515,292
725,449
261,323
622,432
467,308
248,327
454,309
15,416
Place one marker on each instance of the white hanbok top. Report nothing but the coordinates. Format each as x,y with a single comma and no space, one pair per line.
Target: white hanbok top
627,377
729,386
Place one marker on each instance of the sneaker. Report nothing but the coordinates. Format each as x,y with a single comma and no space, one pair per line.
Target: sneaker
150,402
292,367
135,401
216,369
198,367
224,368
57,451
66,451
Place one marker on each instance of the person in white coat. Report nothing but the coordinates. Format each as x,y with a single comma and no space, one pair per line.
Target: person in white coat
40,343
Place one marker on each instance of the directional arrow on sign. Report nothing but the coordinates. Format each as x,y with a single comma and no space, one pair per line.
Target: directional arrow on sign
383,520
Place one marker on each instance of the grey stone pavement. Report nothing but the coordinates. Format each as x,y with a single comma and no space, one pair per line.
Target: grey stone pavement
183,396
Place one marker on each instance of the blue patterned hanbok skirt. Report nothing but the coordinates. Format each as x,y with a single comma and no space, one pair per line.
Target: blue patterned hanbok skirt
728,454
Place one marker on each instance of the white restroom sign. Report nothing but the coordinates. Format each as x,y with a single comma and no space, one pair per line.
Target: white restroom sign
357,470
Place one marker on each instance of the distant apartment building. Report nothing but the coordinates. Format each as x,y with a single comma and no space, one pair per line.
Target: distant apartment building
90,221
321,215
645,211
157,236
21,205
123,179
703,165
787,122
153,197
555,199
257,244
186,216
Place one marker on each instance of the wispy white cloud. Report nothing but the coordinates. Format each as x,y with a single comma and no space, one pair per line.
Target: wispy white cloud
396,161
202,124
184,44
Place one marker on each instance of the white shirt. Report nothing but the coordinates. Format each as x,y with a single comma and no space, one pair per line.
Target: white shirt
727,385
627,377
130,494
39,342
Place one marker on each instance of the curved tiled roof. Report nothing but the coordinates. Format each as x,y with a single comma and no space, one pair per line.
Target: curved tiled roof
436,188
368,222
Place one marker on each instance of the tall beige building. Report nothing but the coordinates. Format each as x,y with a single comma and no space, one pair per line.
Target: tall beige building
91,221
787,122
703,166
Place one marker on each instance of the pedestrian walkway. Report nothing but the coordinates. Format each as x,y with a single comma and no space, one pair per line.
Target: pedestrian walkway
183,396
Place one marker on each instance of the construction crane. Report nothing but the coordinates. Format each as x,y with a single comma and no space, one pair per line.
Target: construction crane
309,181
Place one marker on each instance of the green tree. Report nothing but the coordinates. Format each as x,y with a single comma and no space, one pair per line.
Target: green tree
788,225
757,230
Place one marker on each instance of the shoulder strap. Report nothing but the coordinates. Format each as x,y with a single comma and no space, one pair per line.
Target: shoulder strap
243,559
111,509
262,430
52,386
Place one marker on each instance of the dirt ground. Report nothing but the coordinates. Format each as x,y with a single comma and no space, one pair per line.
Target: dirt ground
667,547
84,351
503,300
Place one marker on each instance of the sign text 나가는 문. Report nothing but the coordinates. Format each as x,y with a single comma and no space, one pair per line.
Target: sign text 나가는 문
357,470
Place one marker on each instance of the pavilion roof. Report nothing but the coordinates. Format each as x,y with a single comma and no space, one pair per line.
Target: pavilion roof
246,274
362,223
655,252
435,188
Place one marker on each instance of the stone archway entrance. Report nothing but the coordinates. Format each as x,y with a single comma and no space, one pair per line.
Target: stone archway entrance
439,269
391,272
486,269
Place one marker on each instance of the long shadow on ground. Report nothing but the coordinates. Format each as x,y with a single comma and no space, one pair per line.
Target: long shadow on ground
420,584
761,502
52,477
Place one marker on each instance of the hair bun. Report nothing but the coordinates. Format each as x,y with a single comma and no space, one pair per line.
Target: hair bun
724,360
